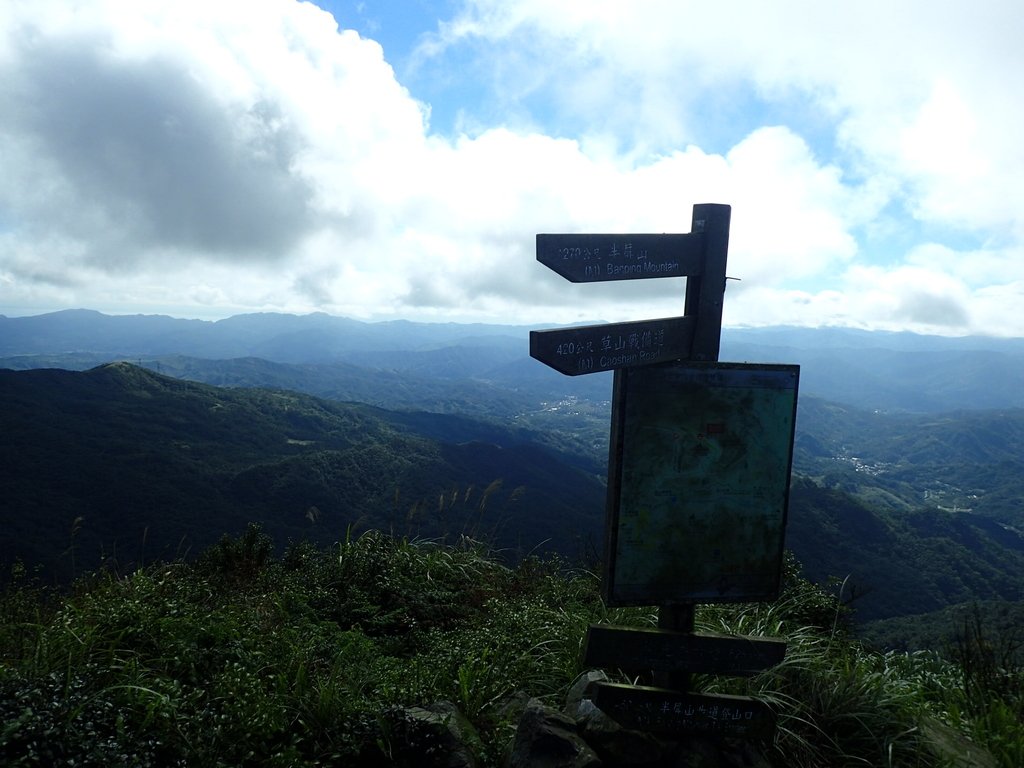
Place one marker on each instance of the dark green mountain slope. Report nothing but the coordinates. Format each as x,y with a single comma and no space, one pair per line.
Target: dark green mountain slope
965,461
385,387
1000,624
902,564
347,382
578,434
149,466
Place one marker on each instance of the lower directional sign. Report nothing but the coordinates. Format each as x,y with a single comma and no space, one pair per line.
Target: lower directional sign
658,710
662,650
593,348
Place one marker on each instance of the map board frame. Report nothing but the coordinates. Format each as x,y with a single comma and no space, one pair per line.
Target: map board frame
705,520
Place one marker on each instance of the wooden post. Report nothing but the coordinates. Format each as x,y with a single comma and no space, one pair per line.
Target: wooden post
705,296
659,365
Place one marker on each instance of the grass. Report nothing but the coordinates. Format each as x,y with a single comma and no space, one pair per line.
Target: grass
243,659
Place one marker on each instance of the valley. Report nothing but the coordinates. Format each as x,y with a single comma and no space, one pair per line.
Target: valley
143,447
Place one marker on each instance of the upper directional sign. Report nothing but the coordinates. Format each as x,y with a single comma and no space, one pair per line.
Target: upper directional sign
594,348
596,258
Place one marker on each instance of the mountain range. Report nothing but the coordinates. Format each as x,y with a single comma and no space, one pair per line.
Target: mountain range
870,370
907,465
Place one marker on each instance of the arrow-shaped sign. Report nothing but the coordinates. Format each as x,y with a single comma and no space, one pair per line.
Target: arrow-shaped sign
594,348
597,258
641,648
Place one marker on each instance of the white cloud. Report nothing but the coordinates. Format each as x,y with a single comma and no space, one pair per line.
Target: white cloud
911,295
916,298
975,267
918,90
916,97
251,155
794,217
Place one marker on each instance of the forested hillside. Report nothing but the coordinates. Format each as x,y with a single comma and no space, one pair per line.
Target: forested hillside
908,464
124,465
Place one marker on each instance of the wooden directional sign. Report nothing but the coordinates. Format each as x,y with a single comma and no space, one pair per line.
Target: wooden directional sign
658,710
596,258
637,648
594,348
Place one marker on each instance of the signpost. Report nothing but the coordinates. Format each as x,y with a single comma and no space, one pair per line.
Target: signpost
594,348
673,712
641,649
597,258
699,463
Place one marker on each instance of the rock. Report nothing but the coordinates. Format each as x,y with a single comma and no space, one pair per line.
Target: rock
617,745
545,738
579,691
613,743
698,753
744,755
438,736
513,707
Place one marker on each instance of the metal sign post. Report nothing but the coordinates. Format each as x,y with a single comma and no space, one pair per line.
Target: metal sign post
699,462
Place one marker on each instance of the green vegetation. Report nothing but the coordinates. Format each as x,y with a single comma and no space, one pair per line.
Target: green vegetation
946,628
141,467
246,655
960,462
901,564
242,658
120,466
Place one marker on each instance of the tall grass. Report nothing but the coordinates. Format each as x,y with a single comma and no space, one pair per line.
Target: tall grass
244,659
841,704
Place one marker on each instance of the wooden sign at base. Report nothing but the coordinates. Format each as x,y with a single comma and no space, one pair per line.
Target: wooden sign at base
661,711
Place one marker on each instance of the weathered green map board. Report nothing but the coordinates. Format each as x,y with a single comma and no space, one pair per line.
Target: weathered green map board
699,482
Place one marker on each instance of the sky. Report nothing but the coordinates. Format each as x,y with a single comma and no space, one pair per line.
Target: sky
393,159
